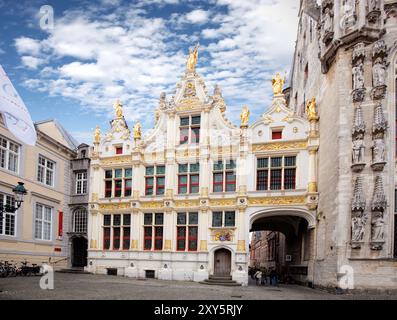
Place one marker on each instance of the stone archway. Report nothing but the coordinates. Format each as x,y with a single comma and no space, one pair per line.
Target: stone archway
283,240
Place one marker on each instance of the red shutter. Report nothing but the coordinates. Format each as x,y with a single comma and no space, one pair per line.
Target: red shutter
60,224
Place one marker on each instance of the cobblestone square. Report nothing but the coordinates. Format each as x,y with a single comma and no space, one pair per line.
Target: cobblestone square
90,287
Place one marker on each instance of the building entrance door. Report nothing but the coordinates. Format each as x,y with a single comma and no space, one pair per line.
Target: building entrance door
222,263
79,257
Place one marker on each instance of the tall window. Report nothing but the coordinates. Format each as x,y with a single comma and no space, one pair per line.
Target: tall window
190,129
118,183
187,231
9,154
45,171
116,231
223,219
224,176
80,221
7,223
81,182
189,178
153,231
43,222
276,173
155,180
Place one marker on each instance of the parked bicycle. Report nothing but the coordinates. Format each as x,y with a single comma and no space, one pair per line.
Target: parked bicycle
24,269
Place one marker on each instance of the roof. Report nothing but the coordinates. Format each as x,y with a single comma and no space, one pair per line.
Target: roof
63,136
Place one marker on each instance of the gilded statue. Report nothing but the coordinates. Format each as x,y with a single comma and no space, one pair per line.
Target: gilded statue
192,59
278,84
118,106
244,116
97,135
137,131
311,109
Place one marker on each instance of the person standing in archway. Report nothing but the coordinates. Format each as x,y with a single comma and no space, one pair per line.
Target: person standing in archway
258,277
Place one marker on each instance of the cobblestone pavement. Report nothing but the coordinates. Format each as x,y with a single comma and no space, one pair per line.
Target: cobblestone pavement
86,286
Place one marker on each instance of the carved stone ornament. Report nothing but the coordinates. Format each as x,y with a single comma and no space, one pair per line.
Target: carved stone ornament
359,217
379,202
377,230
358,75
349,16
359,95
380,124
359,124
358,53
358,153
378,154
359,220
358,201
379,50
218,99
327,25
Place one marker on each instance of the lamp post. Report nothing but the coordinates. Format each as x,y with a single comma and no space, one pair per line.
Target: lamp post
19,192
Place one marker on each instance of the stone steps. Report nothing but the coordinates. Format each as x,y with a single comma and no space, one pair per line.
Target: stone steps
221,281
73,270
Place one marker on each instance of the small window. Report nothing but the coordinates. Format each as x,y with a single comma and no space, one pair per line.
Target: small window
119,150
277,135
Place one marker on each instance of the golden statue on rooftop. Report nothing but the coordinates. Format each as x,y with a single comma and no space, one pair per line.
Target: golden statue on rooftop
118,106
192,59
278,84
97,135
137,131
244,116
311,110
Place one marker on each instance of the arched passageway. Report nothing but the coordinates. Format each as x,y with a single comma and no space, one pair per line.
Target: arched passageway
282,243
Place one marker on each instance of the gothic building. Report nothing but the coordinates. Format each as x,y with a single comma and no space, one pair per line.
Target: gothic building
346,57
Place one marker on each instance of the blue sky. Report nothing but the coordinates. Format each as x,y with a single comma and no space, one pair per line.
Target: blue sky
100,51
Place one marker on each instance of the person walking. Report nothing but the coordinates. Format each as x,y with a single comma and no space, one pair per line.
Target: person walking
263,276
258,276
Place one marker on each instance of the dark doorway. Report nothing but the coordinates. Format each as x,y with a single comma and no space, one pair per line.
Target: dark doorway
79,252
222,263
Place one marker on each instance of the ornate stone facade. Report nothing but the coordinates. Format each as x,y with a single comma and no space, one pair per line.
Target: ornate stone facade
241,173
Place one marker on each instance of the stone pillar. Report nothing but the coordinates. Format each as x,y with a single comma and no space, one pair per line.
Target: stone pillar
312,187
203,230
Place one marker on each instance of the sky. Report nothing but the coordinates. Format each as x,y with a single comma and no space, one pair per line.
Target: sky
99,51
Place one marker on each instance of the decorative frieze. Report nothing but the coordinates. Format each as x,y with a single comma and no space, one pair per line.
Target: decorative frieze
277,200
276,146
114,206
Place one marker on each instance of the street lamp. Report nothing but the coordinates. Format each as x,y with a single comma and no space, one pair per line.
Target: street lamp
19,192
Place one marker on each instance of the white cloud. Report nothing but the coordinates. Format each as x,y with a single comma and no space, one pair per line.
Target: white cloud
197,16
129,55
31,62
26,45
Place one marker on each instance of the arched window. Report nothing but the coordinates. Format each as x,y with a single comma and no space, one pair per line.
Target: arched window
80,221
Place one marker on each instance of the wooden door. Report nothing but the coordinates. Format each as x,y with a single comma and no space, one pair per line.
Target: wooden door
222,262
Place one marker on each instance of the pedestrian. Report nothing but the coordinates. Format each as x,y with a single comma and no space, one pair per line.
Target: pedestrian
263,276
258,276
273,277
